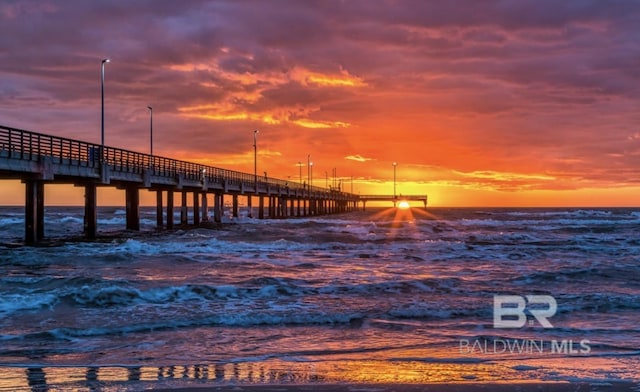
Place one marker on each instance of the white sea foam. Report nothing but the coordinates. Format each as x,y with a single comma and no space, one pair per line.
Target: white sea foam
11,221
10,303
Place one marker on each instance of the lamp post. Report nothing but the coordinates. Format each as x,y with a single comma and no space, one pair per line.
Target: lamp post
255,159
150,130
395,164
308,169
151,134
104,61
311,175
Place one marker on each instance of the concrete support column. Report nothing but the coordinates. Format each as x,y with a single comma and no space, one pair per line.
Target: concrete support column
196,208
260,207
275,204
184,216
90,211
234,207
298,208
132,196
159,218
30,212
292,207
34,211
170,209
205,207
40,210
217,206
249,206
278,204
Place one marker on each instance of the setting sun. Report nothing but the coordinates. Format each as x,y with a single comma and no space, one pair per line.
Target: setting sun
404,205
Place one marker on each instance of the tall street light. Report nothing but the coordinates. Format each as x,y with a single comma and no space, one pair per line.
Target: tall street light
104,61
395,164
300,169
308,168
151,134
255,159
150,130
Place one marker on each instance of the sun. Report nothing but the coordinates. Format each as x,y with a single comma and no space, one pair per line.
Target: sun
404,205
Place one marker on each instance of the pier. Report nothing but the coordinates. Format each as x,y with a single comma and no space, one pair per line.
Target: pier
38,159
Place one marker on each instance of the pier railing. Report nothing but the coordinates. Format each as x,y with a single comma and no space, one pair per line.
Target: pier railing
32,146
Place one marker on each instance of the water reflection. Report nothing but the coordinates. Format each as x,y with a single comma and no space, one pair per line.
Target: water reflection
133,378
94,378
36,379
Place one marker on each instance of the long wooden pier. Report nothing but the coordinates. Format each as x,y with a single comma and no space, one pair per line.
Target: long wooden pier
38,159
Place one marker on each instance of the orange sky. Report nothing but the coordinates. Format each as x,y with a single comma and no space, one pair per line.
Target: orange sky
479,103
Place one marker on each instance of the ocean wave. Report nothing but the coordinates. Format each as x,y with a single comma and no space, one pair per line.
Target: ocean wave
11,221
96,293
240,319
431,312
600,302
547,224
574,213
117,295
67,219
12,303
592,275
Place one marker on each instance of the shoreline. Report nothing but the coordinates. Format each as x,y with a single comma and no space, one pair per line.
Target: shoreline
528,386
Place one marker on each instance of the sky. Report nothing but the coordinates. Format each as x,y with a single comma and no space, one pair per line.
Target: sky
479,102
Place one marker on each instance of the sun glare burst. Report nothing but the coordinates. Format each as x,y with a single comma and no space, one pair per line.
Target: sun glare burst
404,205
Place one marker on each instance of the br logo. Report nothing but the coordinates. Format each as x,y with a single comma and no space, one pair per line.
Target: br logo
509,310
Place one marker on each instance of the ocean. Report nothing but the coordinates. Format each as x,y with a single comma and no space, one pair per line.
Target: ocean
376,296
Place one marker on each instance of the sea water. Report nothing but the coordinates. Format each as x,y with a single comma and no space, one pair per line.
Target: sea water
386,295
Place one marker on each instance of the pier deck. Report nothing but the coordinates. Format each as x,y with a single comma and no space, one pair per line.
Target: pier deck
38,159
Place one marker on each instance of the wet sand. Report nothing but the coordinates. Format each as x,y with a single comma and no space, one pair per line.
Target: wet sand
457,387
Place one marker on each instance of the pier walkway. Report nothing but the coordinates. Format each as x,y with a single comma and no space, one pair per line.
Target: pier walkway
38,159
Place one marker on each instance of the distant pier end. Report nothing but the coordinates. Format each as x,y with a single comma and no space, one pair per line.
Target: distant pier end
395,199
